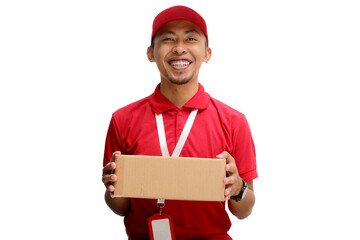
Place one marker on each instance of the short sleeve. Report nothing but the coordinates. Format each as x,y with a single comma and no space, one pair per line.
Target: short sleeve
112,142
244,151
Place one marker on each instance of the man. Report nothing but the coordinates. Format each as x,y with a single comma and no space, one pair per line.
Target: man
179,46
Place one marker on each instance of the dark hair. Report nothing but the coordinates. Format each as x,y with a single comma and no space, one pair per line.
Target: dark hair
152,42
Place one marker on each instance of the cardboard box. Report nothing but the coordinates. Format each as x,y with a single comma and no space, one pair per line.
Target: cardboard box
176,178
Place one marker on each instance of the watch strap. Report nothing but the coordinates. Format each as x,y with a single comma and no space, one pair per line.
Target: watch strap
242,193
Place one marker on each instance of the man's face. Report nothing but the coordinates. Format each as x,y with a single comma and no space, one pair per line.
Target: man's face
179,50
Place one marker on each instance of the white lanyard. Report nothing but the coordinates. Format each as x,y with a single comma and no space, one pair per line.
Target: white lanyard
179,145
184,135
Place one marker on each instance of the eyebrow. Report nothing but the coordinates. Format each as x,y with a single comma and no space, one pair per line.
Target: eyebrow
192,31
187,32
167,32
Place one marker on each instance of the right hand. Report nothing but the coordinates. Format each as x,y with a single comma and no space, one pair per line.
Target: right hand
108,176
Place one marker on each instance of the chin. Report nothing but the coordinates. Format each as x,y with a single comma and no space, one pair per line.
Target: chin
180,82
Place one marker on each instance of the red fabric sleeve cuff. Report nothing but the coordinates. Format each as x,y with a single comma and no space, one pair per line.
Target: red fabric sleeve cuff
248,176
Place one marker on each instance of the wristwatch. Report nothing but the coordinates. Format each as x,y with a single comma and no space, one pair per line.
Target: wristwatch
242,193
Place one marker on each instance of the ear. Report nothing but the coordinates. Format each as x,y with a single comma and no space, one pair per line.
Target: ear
207,56
150,54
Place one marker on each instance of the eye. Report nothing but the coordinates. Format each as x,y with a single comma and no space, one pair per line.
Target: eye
191,39
168,39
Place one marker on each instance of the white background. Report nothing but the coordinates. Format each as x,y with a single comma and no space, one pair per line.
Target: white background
292,67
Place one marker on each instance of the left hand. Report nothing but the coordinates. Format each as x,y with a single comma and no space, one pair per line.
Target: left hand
233,182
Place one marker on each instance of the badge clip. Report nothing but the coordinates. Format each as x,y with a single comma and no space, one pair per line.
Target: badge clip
160,203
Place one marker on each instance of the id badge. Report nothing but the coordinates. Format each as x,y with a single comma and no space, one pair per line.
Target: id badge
161,227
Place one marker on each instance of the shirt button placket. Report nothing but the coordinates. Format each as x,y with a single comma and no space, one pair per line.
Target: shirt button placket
179,124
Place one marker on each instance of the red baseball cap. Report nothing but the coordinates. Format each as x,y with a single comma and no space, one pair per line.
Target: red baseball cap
176,13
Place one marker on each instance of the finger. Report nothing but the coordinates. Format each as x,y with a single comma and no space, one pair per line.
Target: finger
229,180
231,168
227,193
113,156
109,179
223,154
109,168
111,188
227,156
110,193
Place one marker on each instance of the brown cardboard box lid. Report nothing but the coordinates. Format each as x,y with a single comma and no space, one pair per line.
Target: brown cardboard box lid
175,178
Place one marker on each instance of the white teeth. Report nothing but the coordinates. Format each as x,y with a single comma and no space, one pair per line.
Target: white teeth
180,63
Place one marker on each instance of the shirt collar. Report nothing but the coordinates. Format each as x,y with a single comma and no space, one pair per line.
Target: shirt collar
159,103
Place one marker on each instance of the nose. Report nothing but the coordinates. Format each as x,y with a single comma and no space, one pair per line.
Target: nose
179,48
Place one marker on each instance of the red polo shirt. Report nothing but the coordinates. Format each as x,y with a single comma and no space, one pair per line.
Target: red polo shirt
217,128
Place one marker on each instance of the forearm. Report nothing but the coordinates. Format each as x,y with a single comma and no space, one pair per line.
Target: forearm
243,208
119,206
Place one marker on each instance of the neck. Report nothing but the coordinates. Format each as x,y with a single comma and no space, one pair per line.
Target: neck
179,94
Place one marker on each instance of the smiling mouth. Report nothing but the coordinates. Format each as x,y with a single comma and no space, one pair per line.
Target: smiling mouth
180,63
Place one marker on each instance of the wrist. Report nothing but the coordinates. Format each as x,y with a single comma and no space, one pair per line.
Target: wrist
239,189
240,194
